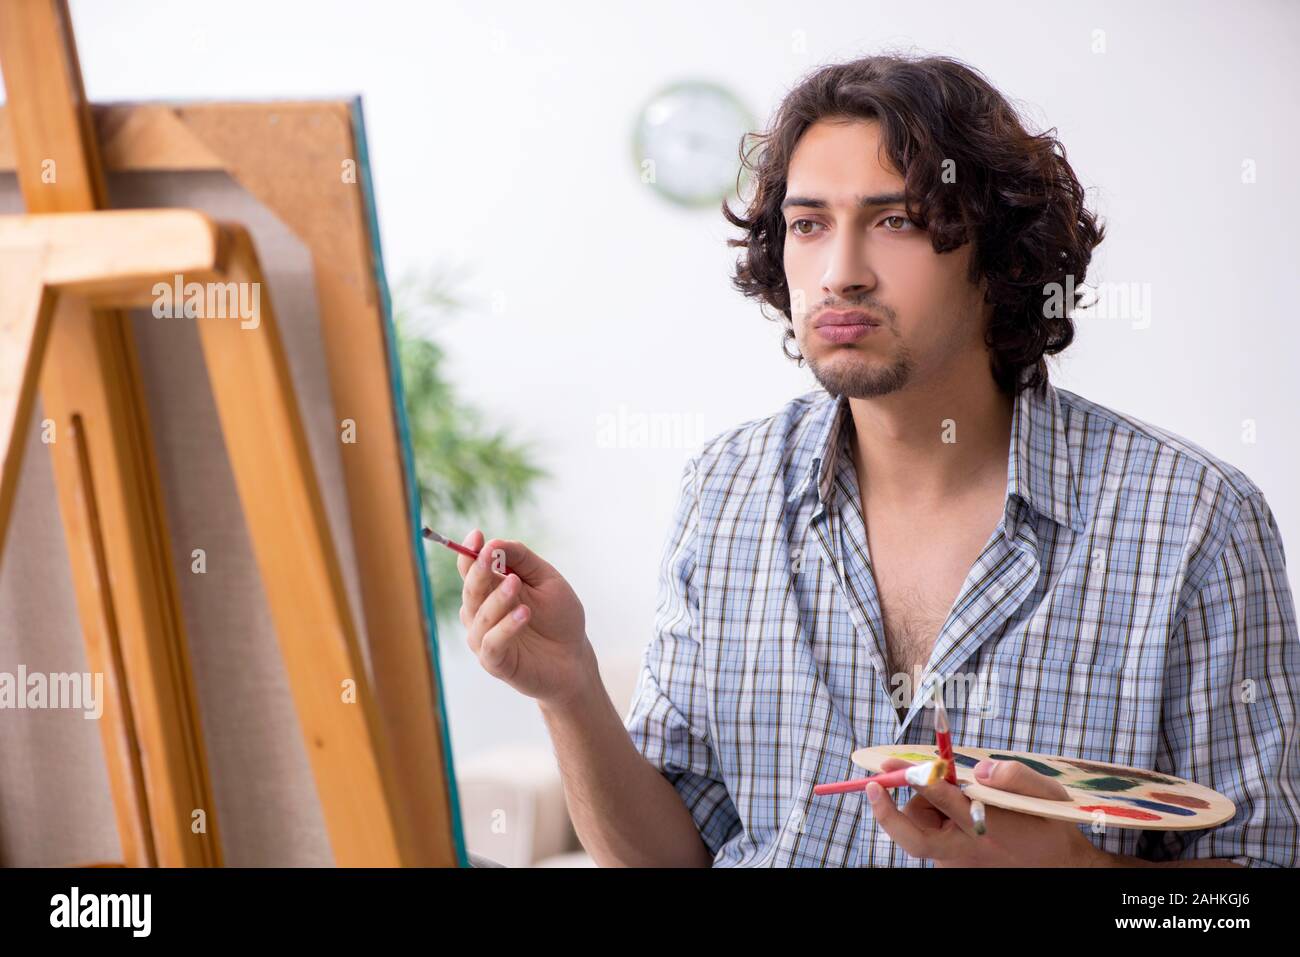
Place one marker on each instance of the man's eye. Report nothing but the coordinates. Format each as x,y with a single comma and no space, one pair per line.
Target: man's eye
903,224
794,227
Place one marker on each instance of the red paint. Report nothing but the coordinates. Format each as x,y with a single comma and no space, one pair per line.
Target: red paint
1132,812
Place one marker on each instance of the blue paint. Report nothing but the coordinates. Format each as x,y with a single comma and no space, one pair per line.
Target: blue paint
965,760
1158,806
1143,803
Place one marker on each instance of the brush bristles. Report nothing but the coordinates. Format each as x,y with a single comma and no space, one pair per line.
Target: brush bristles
923,775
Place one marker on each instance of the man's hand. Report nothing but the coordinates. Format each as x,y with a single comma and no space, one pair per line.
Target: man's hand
529,628
936,823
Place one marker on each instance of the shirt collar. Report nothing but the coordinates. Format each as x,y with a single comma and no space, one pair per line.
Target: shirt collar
1038,468
824,436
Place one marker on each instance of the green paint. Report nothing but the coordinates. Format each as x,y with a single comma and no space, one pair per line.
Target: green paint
1093,767
1106,784
1038,766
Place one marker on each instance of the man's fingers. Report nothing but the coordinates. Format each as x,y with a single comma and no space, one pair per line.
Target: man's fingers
923,813
499,652
1019,779
498,604
518,557
902,829
950,802
480,580
481,577
893,764
473,540
918,808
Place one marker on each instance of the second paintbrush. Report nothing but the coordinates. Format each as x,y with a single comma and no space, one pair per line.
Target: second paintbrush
918,775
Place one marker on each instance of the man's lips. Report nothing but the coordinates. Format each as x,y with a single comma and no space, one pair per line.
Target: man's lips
841,328
855,317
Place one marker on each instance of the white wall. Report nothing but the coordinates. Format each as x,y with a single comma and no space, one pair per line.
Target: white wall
500,140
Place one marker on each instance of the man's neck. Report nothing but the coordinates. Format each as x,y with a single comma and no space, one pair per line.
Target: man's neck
927,447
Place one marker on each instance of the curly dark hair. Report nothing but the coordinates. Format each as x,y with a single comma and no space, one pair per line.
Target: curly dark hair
1014,194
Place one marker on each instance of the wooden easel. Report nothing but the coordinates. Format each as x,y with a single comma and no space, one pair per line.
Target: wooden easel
68,269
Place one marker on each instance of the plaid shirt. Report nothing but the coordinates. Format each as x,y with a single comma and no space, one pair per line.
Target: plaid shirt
1132,606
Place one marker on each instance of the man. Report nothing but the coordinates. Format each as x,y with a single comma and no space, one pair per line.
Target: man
939,517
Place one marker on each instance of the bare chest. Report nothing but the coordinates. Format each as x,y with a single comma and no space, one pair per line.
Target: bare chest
919,566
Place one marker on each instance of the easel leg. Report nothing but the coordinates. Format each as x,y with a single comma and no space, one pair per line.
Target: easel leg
25,320
24,327
89,373
300,573
108,528
113,520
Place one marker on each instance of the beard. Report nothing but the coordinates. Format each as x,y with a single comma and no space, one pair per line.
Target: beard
847,371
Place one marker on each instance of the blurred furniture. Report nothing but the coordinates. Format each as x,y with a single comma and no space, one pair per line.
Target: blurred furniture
512,798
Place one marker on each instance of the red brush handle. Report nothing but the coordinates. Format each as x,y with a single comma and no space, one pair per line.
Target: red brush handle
890,779
945,751
469,553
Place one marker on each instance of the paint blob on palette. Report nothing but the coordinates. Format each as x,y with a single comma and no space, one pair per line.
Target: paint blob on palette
1128,797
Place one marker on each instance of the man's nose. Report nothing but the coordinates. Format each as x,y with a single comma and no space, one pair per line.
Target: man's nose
848,273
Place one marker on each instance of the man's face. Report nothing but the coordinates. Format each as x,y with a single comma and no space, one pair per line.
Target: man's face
842,256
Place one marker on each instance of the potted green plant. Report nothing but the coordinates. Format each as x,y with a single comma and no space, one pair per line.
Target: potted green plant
470,474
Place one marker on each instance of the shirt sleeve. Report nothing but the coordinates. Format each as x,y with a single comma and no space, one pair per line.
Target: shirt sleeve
1232,691
667,720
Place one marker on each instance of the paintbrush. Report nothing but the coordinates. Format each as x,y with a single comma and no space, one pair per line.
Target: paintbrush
943,741
917,775
943,738
455,546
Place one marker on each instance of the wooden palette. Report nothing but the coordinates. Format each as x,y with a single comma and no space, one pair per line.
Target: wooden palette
1128,797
